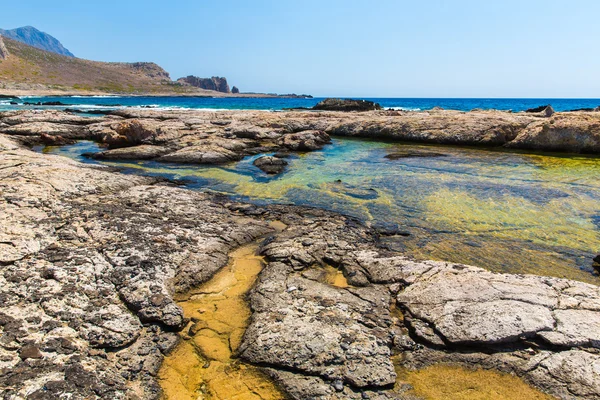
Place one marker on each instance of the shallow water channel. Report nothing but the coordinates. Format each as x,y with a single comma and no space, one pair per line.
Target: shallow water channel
204,366
504,211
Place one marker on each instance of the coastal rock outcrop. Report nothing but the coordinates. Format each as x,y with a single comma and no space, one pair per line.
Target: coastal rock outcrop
150,69
570,132
235,90
215,83
90,260
346,105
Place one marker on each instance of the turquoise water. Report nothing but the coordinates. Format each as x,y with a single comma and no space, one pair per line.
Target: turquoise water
504,211
281,103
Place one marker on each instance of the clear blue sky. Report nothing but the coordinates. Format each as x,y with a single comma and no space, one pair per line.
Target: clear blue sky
383,48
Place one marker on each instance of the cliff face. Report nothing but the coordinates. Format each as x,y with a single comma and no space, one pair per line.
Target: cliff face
149,69
3,50
35,38
216,83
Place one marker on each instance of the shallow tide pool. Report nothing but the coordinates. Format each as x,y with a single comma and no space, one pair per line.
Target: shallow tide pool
504,211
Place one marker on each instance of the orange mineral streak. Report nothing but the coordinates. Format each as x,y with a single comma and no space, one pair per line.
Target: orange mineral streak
204,366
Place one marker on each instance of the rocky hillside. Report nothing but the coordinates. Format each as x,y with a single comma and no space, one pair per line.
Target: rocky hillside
3,50
24,67
38,39
216,83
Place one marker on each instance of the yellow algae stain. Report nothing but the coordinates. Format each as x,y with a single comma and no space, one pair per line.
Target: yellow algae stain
204,366
335,277
448,382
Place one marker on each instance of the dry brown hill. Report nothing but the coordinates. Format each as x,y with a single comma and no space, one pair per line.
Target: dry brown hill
27,68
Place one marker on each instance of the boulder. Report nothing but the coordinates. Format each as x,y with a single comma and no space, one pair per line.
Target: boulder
305,140
332,104
235,90
129,133
271,165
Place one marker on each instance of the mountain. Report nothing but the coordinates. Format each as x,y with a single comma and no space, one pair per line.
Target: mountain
26,68
33,37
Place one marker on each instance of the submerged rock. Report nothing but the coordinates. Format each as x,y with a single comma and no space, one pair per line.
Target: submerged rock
271,165
397,155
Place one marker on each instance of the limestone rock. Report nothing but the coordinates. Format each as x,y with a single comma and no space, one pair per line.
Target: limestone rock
305,140
270,165
141,152
570,132
201,155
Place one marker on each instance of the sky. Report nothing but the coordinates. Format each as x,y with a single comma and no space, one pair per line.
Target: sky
378,48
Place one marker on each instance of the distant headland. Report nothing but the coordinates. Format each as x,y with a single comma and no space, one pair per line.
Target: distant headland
35,63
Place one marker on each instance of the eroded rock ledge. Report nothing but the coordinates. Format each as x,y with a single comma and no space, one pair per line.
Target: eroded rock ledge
194,136
90,260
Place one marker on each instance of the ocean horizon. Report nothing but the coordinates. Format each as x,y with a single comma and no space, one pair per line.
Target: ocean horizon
277,104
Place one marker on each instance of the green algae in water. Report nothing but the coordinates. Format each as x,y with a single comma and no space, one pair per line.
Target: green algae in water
504,211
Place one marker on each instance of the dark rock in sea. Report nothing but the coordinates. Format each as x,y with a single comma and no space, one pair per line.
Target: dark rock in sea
413,154
6,96
271,165
80,111
546,111
46,103
346,105
14,103
537,109
215,83
389,229
235,90
586,109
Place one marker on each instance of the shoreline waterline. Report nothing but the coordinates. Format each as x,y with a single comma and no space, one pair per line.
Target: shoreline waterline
281,103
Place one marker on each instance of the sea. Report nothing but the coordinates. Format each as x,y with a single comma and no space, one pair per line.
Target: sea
277,104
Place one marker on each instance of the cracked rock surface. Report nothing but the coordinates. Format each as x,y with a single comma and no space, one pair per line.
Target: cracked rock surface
90,260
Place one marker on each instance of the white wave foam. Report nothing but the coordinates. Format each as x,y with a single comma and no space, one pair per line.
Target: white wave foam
95,97
402,108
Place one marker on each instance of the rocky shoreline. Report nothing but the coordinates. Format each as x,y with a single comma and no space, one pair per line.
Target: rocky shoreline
91,259
196,136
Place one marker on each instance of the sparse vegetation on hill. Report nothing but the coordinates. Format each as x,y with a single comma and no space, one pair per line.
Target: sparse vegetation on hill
27,68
